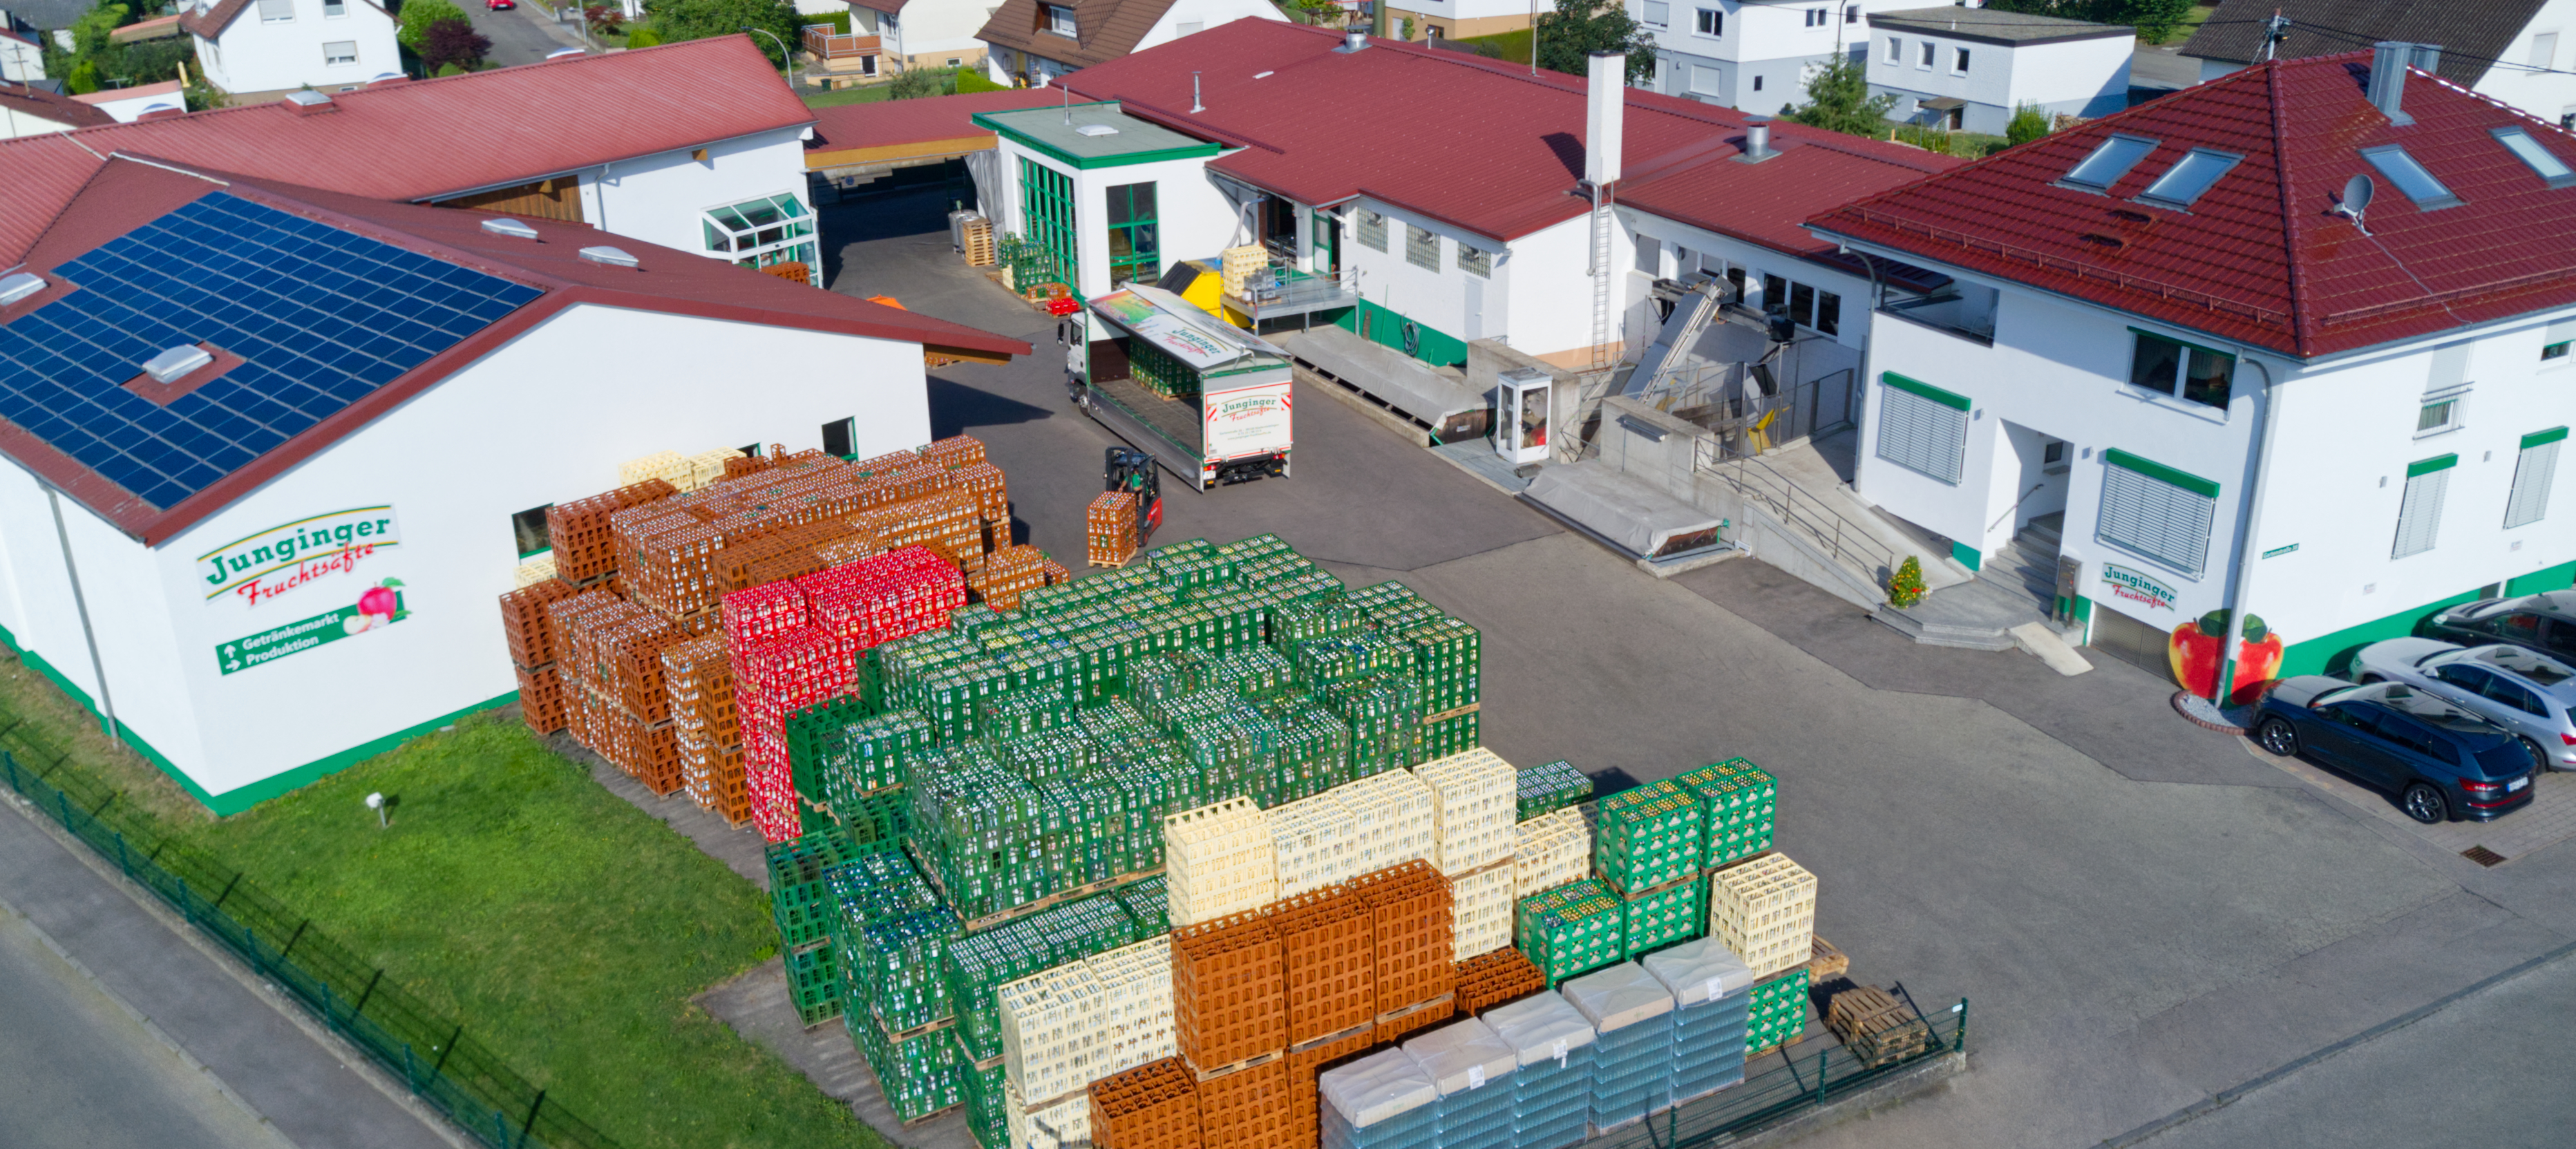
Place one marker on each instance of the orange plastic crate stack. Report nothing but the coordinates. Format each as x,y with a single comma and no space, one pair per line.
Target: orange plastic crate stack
1000,578
1228,991
992,495
1109,529
1411,916
1328,955
528,632
698,676
541,698
1153,1106
1246,1107
585,548
1491,979
1305,1063
955,451
944,521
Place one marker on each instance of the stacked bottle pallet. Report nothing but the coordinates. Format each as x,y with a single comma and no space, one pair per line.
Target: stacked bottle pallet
528,631
1473,843
1001,577
698,675
1488,980
1109,529
1554,786
1777,1011
1650,844
1553,1046
1550,850
1570,929
585,550
608,654
1382,1101
1471,1067
1739,802
1712,1015
1632,1062
1153,1106
1410,916
1765,910
977,965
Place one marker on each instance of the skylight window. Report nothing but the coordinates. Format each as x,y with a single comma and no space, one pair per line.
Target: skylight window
2410,177
2184,182
2547,165
2109,162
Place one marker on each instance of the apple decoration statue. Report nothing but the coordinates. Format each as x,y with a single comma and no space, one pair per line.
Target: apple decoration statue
377,607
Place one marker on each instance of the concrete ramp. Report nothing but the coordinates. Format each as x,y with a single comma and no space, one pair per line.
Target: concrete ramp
1624,513
1422,393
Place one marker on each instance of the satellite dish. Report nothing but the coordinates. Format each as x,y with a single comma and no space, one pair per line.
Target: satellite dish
2356,194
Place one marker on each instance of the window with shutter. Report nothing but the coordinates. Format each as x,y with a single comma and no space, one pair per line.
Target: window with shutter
1922,428
276,11
2419,514
2156,511
2532,472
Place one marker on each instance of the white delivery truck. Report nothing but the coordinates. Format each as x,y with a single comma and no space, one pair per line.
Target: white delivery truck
1209,401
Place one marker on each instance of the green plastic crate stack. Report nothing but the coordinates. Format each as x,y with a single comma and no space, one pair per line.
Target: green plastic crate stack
814,984
1739,802
1552,787
1658,918
921,1075
1047,668
1049,755
1384,713
1194,569
1256,672
985,1116
875,822
1236,618
1571,930
975,826
1778,1011
968,618
1146,902
1257,546
895,967
800,895
948,695
1084,827
1232,745
1321,662
976,966
1647,836
1389,597
1020,712
1295,624
1314,747
1152,678
866,890
839,753
1447,657
1455,734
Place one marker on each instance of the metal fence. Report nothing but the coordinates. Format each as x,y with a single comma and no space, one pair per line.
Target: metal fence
431,1054
1782,1091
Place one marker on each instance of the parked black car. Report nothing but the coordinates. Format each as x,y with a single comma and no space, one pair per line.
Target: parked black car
2545,622
2441,761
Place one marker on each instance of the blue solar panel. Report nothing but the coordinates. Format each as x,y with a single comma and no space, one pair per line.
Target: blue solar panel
320,316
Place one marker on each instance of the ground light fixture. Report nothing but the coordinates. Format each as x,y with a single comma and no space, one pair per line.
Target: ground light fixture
376,802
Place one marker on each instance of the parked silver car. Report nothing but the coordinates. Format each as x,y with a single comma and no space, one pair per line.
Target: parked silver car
2522,690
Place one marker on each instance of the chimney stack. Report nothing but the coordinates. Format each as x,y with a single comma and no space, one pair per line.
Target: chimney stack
1354,40
1606,111
2428,58
2388,61
1757,138
1379,25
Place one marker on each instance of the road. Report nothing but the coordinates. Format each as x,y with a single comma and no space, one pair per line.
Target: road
2144,915
522,35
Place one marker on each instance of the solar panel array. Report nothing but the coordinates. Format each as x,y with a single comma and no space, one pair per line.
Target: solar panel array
321,318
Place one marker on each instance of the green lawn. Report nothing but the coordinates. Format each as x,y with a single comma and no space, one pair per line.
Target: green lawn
1511,47
561,925
867,94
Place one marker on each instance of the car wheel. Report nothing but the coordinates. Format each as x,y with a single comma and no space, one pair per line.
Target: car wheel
2540,763
2276,736
2426,804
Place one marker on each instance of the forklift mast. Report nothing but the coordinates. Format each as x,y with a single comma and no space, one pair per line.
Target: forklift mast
1128,469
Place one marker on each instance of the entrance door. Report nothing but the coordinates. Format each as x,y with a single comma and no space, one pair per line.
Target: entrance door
1328,245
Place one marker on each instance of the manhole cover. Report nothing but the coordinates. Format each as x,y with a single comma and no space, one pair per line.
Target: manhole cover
2482,856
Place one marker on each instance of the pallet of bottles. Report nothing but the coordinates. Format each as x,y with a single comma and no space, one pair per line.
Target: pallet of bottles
1109,529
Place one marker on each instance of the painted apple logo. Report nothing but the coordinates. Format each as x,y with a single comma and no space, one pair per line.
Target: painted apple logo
379,606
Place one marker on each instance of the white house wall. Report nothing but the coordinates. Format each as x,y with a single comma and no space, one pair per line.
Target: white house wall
1549,293
663,198
2072,77
1770,40
2538,77
1187,16
520,428
253,56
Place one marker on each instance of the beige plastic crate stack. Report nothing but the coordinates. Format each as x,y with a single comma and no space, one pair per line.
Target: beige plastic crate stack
1242,263
667,466
1314,840
1135,1019
1392,816
1051,1034
707,467
533,571
1474,795
1481,905
1063,1125
1552,849
1218,860
1765,911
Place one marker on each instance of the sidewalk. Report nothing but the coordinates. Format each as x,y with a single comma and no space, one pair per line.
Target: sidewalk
269,1059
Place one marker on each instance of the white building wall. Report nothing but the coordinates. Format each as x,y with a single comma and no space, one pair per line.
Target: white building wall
2073,77
161,635
2536,72
1548,294
1187,16
253,55
935,31
663,198
1772,41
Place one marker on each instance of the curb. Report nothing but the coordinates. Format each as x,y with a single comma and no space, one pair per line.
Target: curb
2186,703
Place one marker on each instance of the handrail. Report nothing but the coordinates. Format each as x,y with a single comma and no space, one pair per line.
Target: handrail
1848,543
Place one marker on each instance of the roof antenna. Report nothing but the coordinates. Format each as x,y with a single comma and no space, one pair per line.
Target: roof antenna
1195,106
2275,30
1068,104
2356,200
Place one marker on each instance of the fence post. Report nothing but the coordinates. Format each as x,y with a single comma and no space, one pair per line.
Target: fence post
187,913
500,1130
124,861
411,1070
1821,1068
1959,1039
250,942
63,809
327,1019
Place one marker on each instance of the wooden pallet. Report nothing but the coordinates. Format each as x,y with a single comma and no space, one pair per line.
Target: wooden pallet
1828,961
1050,901
933,1115
1446,715
1255,1061
1876,1026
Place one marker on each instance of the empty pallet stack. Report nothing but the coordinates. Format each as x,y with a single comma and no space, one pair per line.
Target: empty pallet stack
1712,1012
1471,1067
1382,1101
1553,1046
1632,1063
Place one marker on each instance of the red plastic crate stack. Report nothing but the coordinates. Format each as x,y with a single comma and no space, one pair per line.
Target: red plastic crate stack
1229,988
885,598
783,674
1153,1106
1409,907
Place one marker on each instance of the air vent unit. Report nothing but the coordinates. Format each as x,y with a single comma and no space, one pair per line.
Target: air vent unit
514,229
169,366
610,256
1095,130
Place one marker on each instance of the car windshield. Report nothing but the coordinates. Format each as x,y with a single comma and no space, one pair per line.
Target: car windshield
2423,708
2541,669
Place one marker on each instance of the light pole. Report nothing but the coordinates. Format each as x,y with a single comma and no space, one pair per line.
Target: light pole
783,51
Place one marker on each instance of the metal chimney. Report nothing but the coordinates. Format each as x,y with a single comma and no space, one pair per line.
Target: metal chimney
1757,138
2388,62
2428,58
1353,40
1606,113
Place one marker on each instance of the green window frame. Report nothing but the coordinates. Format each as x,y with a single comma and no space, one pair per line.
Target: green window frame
764,232
1135,254
2419,510
1421,247
1046,216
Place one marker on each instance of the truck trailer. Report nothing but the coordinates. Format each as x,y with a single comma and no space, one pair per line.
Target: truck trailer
1209,401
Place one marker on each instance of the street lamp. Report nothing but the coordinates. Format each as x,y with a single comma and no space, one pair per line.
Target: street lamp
783,53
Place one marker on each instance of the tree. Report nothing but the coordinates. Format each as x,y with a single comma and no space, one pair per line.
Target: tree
1838,100
1568,36
419,16
677,20
453,42
915,83
2029,122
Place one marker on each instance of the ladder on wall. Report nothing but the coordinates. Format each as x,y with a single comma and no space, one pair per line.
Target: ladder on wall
1597,378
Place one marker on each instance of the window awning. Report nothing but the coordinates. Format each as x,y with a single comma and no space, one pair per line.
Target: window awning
1943,103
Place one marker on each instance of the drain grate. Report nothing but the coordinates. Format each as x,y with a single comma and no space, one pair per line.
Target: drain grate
2482,856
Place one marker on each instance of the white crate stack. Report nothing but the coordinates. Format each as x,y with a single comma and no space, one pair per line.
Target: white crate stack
1051,1032
1317,844
1393,814
1075,1024
1765,911
1063,1125
1135,1019
1481,907
1218,860
1553,849
533,571
1474,795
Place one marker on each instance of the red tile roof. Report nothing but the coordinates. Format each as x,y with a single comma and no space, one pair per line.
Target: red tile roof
436,137
2261,258
906,125
1475,142
44,105
123,196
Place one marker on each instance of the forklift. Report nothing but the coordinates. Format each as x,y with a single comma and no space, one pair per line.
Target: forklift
1128,469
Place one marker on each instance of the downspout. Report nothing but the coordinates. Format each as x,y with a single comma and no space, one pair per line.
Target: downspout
2241,584
80,603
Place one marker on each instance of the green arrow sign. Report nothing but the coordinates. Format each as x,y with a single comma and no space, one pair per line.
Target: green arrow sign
297,637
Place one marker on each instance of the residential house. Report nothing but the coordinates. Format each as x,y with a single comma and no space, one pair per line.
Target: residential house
127,105
256,50
21,58
268,444
705,155
1032,42
1969,69
1752,55
2522,52
924,33
30,110
2179,339
1458,19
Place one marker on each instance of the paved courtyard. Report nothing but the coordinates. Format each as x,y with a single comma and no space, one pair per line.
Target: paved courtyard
2145,915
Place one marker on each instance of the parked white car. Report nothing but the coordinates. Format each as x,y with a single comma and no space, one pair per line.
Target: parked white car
2524,691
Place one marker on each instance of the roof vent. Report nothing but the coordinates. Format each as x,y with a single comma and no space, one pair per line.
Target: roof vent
1095,130
160,112
1354,40
169,366
512,228
2388,60
309,102
386,78
560,53
611,256
1757,139
19,286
